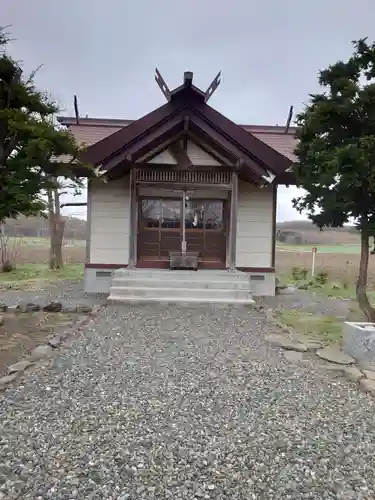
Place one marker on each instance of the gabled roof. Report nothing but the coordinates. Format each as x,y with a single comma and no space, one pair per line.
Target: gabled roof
91,130
186,112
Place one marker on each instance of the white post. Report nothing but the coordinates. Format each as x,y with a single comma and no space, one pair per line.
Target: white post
313,261
183,244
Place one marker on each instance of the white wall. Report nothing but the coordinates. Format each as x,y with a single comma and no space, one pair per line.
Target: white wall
109,220
164,157
109,204
254,226
196,154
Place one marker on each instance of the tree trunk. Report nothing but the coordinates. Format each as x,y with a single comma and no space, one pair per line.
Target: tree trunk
363,301
3,250
57,226
59,231
52,230
60,226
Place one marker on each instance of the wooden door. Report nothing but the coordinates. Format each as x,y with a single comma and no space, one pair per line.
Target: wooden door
205,230
160,230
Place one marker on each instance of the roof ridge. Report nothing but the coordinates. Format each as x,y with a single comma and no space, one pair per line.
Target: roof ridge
118,122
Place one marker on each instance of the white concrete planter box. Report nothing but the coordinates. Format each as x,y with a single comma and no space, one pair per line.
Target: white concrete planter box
359,342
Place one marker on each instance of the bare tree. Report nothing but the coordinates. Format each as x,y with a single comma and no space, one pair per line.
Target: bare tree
56,222
9,248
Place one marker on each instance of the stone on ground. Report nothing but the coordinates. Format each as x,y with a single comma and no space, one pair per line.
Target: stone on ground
369,374
335,355
28,307
285,342
20,366
53,306
5,381
55,341
83,309
1,320
352,373
367,385
40,352
293,356
289,289
313,346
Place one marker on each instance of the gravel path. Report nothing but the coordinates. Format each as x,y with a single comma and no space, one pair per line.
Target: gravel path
69,292
184,403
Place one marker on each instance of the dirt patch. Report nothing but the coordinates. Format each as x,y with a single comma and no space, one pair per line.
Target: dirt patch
20,333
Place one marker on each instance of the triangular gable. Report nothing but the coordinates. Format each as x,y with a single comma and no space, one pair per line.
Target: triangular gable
184,114
199,156
165,157
180,125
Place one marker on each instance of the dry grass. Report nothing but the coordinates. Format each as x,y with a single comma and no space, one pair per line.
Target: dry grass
338,236
36,251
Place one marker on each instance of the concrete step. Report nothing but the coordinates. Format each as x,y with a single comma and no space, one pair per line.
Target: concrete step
177,275
176,300
182,293
166,286
148,282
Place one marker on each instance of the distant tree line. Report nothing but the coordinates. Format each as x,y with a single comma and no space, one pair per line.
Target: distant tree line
75,229
289,237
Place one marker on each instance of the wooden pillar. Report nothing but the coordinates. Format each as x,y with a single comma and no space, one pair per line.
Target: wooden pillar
133,220
274,212
233,221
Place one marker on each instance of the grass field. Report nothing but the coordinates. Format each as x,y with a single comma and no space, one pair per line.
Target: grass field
341,262
342,249
31,263
35,276
341,266
36,250
42,242
312,326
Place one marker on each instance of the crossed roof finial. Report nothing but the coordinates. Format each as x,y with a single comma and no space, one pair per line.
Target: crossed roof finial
188,82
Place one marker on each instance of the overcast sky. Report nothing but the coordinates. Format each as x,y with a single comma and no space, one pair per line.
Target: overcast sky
269,53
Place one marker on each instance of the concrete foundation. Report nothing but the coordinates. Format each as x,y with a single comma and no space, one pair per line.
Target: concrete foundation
98,280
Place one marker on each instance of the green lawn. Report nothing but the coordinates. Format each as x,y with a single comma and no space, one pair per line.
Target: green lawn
343,249
37,275
42,242
314,327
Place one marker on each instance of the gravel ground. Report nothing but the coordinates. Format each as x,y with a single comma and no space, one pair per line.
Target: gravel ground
175,402
67,291
306,301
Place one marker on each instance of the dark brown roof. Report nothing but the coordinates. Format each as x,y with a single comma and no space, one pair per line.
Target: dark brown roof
91,130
